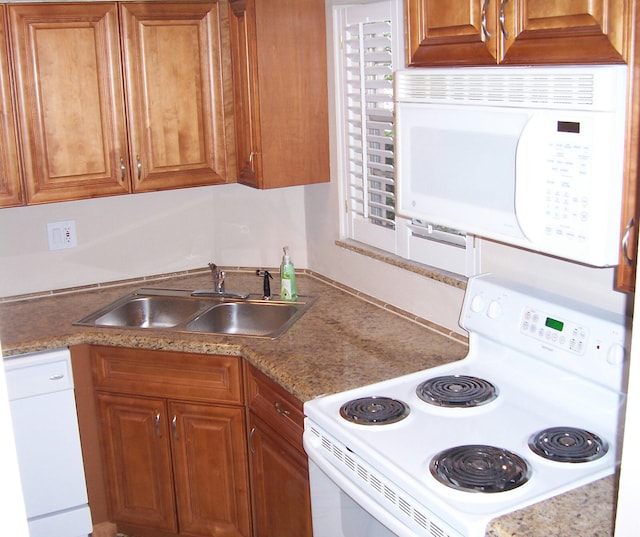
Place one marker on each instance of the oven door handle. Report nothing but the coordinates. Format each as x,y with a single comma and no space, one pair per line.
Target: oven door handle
374,508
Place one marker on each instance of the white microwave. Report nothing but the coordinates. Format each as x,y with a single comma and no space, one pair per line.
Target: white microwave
527,156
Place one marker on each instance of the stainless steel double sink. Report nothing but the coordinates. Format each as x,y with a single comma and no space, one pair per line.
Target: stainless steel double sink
200,312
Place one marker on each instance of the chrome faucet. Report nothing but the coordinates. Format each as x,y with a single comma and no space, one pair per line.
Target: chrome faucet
218,278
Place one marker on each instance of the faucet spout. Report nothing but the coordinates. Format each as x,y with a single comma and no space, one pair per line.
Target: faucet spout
218,278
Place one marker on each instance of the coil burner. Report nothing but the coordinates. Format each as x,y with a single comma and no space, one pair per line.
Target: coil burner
568,444
374,410
480,468
457,391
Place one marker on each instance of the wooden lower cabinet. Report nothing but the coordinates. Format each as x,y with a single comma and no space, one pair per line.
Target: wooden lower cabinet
277,461
175,458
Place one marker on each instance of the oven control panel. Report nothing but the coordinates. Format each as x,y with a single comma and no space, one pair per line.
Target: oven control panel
569,336
536,324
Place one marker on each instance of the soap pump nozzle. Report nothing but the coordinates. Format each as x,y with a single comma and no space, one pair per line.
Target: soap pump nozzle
266,286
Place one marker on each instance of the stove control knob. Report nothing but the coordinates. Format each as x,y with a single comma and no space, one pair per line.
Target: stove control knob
615,356
495,310
477,304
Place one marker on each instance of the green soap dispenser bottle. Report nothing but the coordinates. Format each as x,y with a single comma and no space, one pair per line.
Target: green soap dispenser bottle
288,290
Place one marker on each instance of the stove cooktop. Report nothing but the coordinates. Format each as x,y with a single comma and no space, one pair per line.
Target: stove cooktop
570,380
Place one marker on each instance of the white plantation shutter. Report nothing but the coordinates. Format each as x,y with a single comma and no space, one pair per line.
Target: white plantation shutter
369,70
368,44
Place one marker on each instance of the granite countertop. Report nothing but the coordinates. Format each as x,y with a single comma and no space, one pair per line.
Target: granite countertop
342,342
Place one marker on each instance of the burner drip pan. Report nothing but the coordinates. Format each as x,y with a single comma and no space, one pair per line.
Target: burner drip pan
480,468
457,391
374,410
568,444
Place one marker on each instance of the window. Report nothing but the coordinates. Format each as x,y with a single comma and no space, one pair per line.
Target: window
368,45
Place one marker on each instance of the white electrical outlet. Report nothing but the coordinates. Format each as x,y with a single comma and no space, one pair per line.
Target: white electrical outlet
62,235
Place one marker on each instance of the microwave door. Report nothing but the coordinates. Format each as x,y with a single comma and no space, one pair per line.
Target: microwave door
456,167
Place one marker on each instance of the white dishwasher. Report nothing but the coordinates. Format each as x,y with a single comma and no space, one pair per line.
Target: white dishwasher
43,411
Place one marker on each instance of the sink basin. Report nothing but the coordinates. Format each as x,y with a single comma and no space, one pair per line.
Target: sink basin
269,319
200,312
150,312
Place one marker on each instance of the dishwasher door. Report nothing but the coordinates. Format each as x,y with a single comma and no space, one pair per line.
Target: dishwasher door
43,412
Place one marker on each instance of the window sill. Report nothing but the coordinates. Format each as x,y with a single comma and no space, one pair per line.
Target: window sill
442,276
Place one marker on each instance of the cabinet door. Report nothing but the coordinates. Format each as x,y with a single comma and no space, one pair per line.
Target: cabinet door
484,32
70,100
280,84
566,31
456,32
212,483
137,461
176,87
10,178
280,481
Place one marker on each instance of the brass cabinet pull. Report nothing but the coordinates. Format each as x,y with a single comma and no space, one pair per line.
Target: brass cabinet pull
139,166
625,243
503,28
157,423
280,410
123,168
486,32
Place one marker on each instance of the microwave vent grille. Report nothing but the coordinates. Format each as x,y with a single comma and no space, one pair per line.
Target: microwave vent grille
580,89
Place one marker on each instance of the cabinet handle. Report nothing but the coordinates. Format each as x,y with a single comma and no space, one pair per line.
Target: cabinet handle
625,243
157,422
174,427
123,168
280,410
251,433
58,376
503,28
139,166
251,155
486,32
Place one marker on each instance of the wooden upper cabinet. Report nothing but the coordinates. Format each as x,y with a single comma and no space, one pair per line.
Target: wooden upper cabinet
11,193
280,92
178,82
486,32
70,101
98,121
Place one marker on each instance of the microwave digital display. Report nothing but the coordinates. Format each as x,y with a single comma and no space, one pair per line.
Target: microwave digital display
569,126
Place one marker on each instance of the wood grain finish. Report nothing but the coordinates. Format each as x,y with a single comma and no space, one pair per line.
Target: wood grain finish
486,32
11,193
173,442
177,83
278,463
70,100
280,83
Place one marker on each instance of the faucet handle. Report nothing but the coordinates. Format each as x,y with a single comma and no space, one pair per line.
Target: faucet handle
266,286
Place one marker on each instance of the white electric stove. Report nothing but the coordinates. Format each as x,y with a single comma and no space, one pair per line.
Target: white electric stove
533,410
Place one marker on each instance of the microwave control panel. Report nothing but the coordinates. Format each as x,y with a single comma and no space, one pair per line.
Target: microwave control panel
567,189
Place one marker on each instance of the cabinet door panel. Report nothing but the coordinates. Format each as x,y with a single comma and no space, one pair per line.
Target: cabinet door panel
10,178
280,84
70,100
137,461
212,484
566,31
280,481
175,93
455,32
